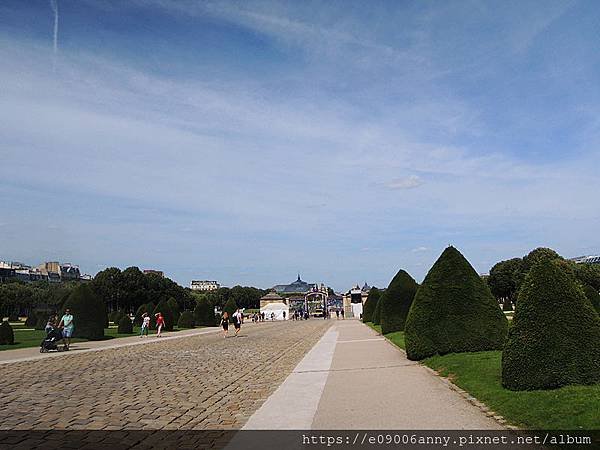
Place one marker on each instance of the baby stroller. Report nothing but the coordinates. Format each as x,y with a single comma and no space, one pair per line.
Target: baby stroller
51,340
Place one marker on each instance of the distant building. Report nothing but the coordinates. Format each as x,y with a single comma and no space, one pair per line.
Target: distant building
51,266
69,272
297,287
160,273
204,285
354,300
593,259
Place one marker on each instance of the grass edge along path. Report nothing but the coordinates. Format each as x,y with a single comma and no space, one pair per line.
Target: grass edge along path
479,373
28,338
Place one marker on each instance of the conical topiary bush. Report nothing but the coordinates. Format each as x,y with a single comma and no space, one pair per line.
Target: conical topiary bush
7,336
555,335
593,296
377,312
453,311
398,298
370,304
89,312
204,313
163,307
186,320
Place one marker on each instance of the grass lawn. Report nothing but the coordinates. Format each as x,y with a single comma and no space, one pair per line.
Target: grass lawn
25,337
479,373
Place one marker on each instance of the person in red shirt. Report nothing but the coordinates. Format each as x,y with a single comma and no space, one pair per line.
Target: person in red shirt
160,323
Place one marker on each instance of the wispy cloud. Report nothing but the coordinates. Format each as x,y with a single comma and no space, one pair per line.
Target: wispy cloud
409,182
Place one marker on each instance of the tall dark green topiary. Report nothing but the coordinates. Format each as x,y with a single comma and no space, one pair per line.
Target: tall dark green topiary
125,325
377,311
7,336
186,320
370,304
593,296
138,315
163,307
89,312
174,309
230,307
396,303
453,311
204,313
553,340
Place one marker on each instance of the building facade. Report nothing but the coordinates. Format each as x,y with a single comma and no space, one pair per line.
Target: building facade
296,287
160,273
204,285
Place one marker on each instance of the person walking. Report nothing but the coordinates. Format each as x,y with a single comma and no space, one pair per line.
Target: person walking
160,323
66,323
342,313
145,325
337,314
237,321
225,323
284,315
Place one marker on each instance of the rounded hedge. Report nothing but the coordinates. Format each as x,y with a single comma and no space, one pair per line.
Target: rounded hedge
125,325
377,311
553,340
163,307
7,336
204,313
13,317
593,296
186,320
370,304
453,311
397,301
89,313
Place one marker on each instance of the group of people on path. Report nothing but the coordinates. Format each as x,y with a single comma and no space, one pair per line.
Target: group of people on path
65,327
237,318
160,324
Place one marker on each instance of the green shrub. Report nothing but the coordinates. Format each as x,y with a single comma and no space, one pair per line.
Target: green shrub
370,304
163,308
507,305
553,340
41,320
453,311
150,307
593,296
377,311
31,320
115,316
125,325
204,313
7,336
89,313
396,303
174,309
13,317
186,320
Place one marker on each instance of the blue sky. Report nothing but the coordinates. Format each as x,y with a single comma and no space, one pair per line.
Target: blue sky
247,141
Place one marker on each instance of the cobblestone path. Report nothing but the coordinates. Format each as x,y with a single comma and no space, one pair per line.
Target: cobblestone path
201,382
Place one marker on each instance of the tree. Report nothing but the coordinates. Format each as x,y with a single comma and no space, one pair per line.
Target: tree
204,313
453,311
89,313
377,311
7,336
370,304
108,284
505,279
230,307
553,338
397,301
167,314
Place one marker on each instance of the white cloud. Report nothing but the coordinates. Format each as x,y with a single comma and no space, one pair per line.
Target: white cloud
409,182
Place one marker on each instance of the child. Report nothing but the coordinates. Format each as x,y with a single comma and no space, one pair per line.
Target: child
145,324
